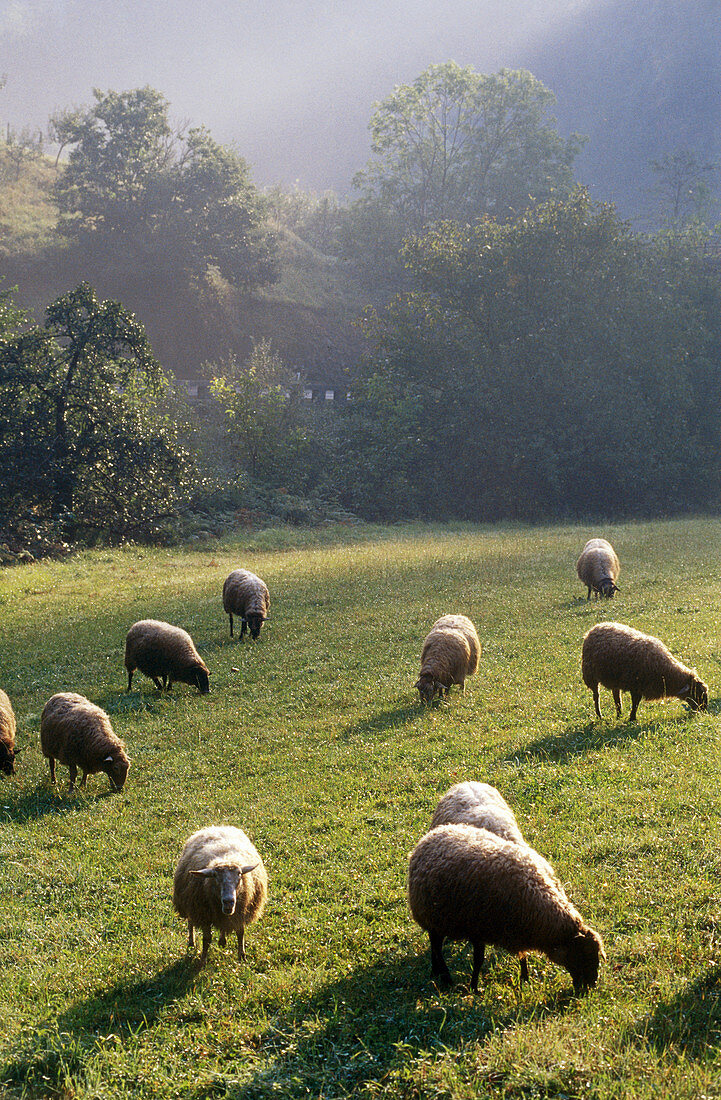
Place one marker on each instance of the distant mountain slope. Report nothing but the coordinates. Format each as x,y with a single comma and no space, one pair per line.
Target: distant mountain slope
641,79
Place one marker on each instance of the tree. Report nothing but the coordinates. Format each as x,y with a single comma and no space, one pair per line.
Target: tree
560,365
134,182
262,408
683,187
457,144
84,440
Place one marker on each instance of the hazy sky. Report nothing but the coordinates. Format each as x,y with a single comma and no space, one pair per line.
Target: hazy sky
290,82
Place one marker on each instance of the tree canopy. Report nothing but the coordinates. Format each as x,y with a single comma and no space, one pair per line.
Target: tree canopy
133,180
84,439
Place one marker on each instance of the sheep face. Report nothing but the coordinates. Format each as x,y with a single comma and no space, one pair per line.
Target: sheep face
199,677
7,759
607,588
255,620
581,958
116,768
426,689
695,694
227,880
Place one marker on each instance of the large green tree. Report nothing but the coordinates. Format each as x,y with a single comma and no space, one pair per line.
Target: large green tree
134,182
85,440
559,365
458,144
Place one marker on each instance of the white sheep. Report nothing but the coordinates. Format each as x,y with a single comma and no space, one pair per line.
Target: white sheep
598,568
465,883
245,594
624,659
220,882
450,653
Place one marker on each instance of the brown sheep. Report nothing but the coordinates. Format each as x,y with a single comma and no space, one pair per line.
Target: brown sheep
219,882
624,659
76,732
450,653
598,568
164,652
246,595
8,727
465,883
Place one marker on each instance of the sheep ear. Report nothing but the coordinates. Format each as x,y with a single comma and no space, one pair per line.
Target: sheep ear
17,752
204,872
248,868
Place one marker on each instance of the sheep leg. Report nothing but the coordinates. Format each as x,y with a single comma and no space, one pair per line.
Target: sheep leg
479,951
588,597
206,945
84,780
230,616
73,772
635,700
438,963
243,628
617,701
130,677
157,683
191,934
51,762
241,944
524,967
222,940
596,703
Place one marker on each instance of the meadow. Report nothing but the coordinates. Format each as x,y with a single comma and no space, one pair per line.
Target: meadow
314,742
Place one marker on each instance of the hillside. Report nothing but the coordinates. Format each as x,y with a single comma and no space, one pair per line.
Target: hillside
309,315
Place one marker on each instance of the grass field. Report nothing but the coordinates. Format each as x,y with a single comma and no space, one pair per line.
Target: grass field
314,742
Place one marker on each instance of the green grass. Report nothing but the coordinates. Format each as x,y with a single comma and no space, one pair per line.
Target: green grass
314,742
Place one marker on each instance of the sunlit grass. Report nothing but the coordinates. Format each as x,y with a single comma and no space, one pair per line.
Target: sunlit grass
313,741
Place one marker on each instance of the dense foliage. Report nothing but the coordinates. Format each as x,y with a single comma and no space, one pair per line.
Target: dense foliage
559,365
133,182
85,441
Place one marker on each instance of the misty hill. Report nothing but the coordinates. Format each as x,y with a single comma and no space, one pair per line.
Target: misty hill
309,315
641,80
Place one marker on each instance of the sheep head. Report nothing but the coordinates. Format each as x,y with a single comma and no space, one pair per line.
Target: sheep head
426,688
581,957
695,693
255,620
226,882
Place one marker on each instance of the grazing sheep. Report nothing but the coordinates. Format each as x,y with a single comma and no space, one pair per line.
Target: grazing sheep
76,732
465,883
450,653
624,659
484,807
7,735
481,805
166,652
246,595
220,882
598,568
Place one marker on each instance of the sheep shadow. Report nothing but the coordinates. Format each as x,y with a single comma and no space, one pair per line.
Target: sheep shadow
380,723
363,1029
58,1051
689,1022
578,740
48,801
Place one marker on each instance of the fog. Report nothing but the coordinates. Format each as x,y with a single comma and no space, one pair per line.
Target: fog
291,84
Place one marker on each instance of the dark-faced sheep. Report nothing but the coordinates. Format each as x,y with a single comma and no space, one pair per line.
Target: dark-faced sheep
220,882
465,883
450,653
623,659
246,595
598,568
7,735
78,733
165,654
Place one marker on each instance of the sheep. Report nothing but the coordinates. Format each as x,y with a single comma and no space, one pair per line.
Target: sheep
219,882
450,653
78,733
166,652
246,595
624,659
481,805
466,883
598,568
8,752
